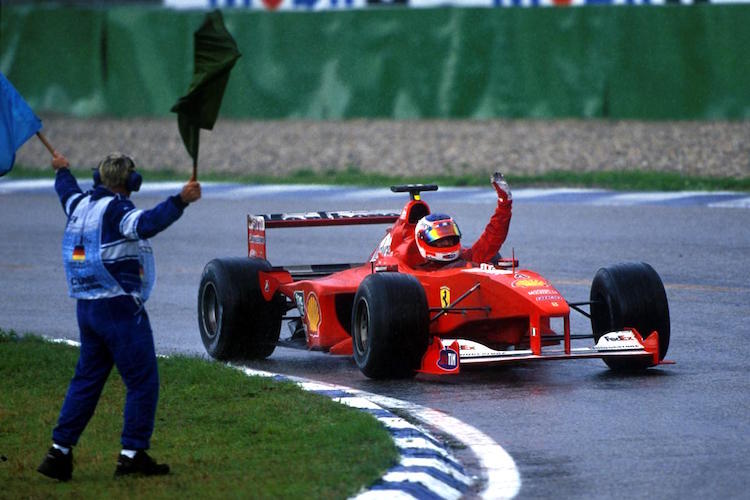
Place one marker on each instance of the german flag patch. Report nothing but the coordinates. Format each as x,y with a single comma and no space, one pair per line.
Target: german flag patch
79,253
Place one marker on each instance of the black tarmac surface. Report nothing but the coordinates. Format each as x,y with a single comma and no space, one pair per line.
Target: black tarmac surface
575,429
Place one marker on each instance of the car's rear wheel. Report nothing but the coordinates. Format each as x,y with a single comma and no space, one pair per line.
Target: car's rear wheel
234,319
630,295
390,325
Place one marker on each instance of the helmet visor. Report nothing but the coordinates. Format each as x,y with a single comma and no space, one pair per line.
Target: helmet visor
440,230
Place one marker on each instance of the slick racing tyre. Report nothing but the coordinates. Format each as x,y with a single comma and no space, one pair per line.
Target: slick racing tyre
235,321
630,295
390,325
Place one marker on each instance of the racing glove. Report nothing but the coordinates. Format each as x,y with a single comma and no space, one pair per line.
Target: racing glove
504,196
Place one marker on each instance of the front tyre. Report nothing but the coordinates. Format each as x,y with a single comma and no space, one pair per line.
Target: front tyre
390,325
234,319
630,295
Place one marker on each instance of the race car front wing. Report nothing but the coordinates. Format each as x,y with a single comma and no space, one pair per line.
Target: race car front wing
446,356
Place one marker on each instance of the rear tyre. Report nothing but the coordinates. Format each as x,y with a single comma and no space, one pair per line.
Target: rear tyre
235,321
390,325
630,295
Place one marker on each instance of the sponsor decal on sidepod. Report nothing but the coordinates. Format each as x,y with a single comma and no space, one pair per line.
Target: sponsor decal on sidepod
312,306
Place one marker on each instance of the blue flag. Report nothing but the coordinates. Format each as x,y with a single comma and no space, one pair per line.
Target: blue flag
17,123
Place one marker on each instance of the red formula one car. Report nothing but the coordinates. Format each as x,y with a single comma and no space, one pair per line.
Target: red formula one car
399,319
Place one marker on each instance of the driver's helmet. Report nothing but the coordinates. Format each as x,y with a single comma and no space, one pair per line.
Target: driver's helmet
438,238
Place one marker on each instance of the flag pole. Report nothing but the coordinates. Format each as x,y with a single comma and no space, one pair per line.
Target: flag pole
196,140
46,143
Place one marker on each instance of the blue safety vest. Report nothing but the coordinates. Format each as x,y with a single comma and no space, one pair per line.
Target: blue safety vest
84,255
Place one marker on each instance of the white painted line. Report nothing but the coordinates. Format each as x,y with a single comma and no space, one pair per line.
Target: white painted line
368,194
644,198
461,189
26,185
738,203
489,195
238,191
528,193
72,343
156,187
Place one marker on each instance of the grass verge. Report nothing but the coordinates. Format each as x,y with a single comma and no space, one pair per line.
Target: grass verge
617,180
225,435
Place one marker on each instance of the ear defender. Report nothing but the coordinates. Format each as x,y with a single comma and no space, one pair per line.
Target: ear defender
134,181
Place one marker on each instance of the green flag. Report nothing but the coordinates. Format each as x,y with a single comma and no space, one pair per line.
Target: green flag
215,55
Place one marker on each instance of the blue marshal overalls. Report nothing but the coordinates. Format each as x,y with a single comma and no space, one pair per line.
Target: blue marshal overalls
109,268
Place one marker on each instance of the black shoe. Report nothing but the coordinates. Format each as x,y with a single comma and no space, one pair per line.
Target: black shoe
57,465
141,463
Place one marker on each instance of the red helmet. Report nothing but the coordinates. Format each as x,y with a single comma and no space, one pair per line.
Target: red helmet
438,238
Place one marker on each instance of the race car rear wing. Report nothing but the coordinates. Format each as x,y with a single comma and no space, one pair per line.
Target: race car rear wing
257,224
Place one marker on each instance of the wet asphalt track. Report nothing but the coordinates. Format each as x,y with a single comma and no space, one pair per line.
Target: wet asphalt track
574,429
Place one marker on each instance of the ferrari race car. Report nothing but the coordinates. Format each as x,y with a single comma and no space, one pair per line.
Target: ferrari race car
397,318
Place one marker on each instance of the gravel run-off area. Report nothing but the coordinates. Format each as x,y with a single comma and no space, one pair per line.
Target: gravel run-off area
413,148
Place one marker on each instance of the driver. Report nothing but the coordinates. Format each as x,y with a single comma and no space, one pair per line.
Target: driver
438,237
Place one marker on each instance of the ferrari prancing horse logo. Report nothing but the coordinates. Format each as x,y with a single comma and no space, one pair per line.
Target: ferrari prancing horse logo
445,296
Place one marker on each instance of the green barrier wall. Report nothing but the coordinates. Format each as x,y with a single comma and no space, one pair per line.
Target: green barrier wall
53,57
670,62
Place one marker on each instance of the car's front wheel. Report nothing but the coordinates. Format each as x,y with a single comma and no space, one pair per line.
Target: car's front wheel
630,295
390,325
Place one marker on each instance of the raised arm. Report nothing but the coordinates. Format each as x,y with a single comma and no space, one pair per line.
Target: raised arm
494,234
66,185
148,223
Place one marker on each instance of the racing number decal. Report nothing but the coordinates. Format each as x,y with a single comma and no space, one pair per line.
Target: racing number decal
445,296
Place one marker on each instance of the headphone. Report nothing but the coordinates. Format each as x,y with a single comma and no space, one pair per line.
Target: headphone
132,183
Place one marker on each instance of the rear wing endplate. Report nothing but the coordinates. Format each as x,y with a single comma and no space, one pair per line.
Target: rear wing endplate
257,224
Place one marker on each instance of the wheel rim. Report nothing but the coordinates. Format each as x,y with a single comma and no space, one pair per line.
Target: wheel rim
363,323
210,310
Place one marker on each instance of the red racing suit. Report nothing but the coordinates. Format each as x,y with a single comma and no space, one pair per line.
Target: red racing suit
483,250
493,236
